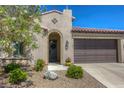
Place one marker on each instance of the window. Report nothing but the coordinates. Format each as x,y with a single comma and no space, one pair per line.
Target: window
18,49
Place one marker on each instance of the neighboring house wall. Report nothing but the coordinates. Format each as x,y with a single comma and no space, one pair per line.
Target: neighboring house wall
63,26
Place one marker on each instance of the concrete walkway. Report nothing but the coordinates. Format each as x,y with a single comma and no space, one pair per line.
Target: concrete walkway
56,67
109,74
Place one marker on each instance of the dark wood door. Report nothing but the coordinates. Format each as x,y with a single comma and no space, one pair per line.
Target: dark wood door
95,50
53,51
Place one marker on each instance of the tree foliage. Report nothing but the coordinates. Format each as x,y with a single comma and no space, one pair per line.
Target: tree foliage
19,24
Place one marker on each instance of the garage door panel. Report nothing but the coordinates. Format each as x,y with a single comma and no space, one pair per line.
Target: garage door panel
94,44
95,50
98,58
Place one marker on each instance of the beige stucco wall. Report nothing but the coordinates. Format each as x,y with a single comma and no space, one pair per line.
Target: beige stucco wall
121,50
63,27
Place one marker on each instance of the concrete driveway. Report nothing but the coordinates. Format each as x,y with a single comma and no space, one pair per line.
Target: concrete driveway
109,74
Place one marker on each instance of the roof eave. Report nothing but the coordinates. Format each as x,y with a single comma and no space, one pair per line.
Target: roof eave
92,30
47,12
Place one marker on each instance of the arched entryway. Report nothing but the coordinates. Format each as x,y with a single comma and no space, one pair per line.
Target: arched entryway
54,47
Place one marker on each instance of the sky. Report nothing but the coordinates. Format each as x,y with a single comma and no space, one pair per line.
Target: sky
94,16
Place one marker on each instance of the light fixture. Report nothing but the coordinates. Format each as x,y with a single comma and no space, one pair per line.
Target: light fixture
66,44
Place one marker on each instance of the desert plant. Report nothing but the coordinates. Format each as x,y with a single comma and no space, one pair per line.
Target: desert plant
68,59
39,65
12,66
16,76
68,62
19,24
75,72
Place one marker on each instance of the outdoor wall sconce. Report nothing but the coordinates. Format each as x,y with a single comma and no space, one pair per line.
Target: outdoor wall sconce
66,45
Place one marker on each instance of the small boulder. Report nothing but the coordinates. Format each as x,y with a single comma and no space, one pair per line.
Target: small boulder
50,75
30,74
23,84
29,83
2,85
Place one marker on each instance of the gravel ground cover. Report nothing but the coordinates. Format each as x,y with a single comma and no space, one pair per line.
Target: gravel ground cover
63,82
38,81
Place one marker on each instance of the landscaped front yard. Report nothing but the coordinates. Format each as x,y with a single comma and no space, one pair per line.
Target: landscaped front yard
63,82
36,80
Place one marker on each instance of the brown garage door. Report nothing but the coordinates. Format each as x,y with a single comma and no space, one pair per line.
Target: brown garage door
95,50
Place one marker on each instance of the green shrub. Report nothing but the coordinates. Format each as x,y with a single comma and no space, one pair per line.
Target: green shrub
39,65
68,62
16,76
10,67
75,72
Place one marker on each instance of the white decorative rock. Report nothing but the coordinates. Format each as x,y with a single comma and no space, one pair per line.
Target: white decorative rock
50,75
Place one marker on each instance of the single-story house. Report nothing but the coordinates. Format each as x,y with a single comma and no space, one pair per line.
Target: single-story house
60,40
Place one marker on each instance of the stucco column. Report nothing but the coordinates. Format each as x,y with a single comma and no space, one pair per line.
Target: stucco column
120,51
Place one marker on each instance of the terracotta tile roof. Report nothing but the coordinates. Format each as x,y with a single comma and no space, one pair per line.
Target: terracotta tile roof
93,30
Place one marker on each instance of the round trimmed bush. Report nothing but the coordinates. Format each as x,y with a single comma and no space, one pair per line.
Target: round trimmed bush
10,67
39,65
16,76
75,72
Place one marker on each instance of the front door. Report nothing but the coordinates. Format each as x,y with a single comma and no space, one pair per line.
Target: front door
53,51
